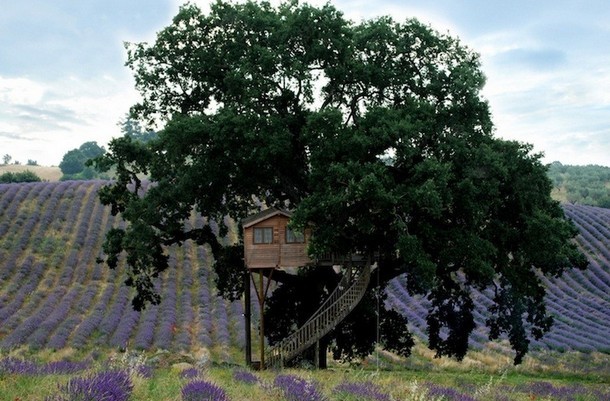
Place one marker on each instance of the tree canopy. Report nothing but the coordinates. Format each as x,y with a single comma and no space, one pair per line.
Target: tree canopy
74,162
132,128
374,133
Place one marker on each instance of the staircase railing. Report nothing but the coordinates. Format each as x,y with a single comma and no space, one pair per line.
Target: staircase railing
335,308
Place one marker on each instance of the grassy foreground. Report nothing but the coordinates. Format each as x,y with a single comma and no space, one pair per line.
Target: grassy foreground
482,376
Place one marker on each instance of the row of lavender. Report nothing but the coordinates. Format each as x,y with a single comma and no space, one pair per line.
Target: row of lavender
54,294
579,301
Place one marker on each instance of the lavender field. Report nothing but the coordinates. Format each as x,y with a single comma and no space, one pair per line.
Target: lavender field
579,301
67,381
53,294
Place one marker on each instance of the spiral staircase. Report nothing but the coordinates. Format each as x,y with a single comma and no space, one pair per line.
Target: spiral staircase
335,308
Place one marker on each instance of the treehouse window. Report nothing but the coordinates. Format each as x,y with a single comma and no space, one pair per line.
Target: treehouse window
294,237
263,235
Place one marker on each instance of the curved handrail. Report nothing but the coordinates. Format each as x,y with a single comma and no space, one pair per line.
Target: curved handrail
341,287
335,308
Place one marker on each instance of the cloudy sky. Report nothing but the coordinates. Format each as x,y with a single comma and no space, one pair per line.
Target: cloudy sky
63,80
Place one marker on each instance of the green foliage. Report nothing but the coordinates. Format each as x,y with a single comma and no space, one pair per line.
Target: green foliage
74,163
230,273
375,134
355,337
23,176
588,185
132,128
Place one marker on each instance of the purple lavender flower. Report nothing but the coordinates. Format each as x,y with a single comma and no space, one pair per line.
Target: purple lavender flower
546,389
103,386
183,337
365,390
18,366
91,322
245,377
297,389
202,390
223,336
146,330
189,373
64,367
447,393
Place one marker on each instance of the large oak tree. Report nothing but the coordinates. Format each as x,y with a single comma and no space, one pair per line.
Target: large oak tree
374,133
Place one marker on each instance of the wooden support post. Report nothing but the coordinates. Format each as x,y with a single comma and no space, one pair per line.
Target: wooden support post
248,318
261,293
261,302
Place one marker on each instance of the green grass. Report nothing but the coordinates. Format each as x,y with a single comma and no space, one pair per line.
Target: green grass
402,380
166,384
20,387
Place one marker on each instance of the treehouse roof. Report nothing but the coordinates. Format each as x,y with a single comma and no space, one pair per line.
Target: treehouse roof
264,215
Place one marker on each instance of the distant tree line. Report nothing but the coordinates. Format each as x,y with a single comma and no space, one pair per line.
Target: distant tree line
21,176
587,185
75,164
6,159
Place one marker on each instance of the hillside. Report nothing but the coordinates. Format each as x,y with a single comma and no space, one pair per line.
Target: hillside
54,295
45,173
587,185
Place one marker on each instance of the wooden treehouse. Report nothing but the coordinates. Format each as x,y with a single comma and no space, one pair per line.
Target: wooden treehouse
271,245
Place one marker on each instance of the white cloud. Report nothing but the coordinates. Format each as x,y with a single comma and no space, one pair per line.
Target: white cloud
20,91
44,124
